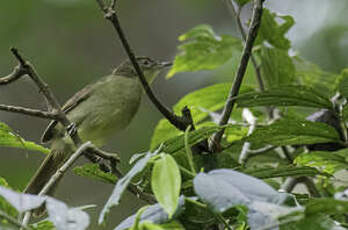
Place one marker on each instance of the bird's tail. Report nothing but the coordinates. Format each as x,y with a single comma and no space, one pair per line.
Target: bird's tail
48,167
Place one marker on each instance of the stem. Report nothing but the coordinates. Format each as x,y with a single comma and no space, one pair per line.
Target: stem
189,151
110,14
228,108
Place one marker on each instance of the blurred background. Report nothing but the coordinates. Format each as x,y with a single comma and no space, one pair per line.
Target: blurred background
71,44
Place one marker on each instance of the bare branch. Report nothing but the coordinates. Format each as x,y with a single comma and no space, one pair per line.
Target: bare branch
178,122
15,75
60,172
236,14
28,111
228,108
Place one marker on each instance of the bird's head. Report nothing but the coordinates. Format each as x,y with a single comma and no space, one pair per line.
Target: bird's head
151,68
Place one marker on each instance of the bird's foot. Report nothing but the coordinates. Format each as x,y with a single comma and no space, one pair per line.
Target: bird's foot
71,129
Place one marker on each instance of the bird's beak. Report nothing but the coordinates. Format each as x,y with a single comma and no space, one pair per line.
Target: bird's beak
166,64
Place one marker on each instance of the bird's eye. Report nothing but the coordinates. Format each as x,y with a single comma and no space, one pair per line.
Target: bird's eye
146,62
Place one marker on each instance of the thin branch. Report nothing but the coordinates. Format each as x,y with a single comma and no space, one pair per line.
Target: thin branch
228,108
28,111
15,75
60,172
12,220
236,14
110,14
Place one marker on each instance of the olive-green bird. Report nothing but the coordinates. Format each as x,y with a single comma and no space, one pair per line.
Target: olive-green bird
98,111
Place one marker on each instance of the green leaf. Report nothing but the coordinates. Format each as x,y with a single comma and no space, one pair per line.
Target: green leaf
10,139
316,222
177,143
310,74
43,225
204,50
328,206
200,103
273,32
343,83
166,183
241,2
93,171
282,171
277,67
329,162
290,131
292,95
122,184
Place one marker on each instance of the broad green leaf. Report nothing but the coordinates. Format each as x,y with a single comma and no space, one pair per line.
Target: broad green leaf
282,171
242,189
43,225
272,31
93,171
122,184
327,206
202,49
200,102
153,213
210,98
292,95
343,83
329,162
311,75
166,183
240,2
277,67
177,143
315,222
8,138
290,131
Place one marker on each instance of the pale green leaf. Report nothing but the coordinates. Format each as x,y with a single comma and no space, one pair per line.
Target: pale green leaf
290,131
291,95
93,171
282,171
166,183
277,67
202,49
273,31
8,138
329,162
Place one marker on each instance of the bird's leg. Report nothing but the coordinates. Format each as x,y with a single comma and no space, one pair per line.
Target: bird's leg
71,129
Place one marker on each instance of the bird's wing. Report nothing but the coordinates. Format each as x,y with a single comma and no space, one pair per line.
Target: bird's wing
75,100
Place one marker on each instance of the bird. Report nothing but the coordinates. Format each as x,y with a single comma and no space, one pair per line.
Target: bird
98,111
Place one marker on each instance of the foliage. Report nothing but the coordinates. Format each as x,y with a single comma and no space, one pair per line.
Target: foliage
236,187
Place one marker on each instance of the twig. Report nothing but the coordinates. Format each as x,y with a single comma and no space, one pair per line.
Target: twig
236,14
28,111
12,220
15,75
251,120
109,13
60,172
253,28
